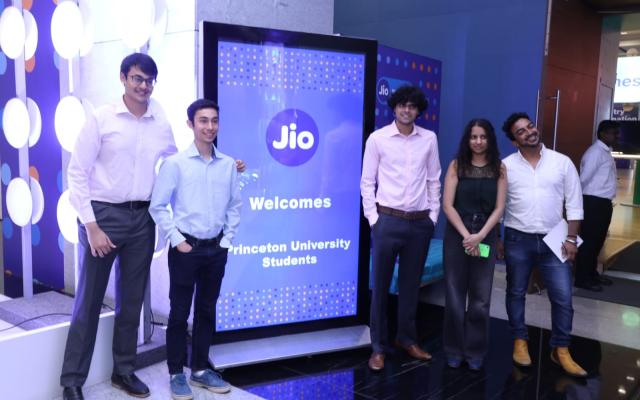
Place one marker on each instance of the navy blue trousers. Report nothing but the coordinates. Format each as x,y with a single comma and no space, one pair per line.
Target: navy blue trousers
202,270
395,237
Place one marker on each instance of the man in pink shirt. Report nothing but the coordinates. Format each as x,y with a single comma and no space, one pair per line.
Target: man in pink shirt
111,175
400,188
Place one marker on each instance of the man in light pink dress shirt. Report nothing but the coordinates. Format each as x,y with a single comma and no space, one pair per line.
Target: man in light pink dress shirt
400,188
111,175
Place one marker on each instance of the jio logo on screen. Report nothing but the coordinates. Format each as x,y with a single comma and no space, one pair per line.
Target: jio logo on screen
383,90
292,137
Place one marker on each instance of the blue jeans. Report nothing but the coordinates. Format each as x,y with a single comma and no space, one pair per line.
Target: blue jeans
522,252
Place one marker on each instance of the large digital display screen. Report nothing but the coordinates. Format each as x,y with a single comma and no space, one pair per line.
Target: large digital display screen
296,115
627,80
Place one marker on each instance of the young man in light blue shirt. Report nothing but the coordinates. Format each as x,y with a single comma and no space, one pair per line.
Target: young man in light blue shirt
200,183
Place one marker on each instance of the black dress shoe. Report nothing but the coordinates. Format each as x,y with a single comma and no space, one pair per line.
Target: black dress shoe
590,285
130,384
72,393
604,281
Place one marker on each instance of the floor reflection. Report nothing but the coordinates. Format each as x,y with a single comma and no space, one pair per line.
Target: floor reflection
614,372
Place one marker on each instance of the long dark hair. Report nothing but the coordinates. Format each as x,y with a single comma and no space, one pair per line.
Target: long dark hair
463,158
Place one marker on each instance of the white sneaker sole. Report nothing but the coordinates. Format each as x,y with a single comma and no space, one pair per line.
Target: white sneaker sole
182,396
214,389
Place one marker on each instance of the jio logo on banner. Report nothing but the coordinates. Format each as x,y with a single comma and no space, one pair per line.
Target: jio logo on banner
292,137
383,90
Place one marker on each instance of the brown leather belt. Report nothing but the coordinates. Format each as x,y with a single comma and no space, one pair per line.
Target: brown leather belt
422,214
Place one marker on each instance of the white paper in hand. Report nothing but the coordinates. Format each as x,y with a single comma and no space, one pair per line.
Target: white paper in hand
555,238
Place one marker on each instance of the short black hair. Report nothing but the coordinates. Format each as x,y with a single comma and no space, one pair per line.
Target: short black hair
140,60
408,93
199,105
508,123
607,125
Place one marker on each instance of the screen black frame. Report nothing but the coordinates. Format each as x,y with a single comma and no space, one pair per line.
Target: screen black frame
210,34
629,139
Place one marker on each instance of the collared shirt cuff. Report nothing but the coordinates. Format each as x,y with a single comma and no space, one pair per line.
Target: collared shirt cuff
225,242
176,238
373,219
575,215
86,215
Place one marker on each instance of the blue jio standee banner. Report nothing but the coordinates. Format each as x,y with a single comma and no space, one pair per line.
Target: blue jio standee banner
397,68
295,116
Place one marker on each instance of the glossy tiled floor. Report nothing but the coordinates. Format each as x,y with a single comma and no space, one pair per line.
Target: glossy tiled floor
625,221
613,370
157,379
606,344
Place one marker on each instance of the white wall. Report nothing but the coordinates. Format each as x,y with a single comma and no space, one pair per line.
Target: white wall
313,16
175,54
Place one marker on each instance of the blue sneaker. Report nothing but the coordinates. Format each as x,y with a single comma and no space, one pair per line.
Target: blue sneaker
211,381
180,390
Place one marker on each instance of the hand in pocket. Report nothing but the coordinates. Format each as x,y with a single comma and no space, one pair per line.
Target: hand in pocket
184,247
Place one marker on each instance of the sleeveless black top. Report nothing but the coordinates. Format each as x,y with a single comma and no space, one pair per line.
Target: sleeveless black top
476,192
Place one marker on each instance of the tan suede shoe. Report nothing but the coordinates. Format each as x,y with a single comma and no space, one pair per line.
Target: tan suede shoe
521,353
562,357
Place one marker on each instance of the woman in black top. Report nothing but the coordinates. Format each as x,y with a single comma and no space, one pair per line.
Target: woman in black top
474,195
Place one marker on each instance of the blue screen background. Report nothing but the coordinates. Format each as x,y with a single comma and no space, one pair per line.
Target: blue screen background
256,82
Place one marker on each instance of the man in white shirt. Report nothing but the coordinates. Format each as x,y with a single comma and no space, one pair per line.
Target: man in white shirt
541,184
598,179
